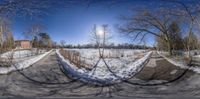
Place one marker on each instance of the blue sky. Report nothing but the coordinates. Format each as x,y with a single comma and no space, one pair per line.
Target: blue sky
73,24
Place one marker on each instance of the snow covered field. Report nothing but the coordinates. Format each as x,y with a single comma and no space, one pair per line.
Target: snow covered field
19,53
112,56
117,64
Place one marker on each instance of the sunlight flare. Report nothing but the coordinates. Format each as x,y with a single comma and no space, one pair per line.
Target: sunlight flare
100,32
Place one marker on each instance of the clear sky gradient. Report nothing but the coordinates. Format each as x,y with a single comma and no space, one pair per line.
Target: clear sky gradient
73,24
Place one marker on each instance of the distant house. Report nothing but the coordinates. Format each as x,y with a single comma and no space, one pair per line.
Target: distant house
23,44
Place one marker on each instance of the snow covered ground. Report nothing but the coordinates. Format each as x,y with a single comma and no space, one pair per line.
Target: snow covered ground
17,54
113,56
197,56
118,67
22,64
180,64
20,53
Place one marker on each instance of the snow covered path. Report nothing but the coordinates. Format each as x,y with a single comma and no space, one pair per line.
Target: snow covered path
186,87
193,68
104,75
48,70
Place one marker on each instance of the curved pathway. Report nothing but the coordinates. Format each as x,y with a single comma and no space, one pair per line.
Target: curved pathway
47,70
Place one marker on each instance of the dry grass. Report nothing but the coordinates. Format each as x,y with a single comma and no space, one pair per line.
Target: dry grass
74,57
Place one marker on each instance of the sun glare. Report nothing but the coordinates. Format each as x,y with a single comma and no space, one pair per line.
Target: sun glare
100,32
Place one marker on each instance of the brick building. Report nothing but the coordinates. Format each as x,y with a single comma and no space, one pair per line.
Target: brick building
23,44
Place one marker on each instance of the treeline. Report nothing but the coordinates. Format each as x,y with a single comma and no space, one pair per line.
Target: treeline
42,40
6,36
34,33
39,39
176,41
118,46
174,27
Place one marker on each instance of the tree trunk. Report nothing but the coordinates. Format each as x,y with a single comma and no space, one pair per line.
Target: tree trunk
170,48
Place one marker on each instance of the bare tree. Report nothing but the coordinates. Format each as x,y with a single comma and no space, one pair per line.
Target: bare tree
191,41
147,22
170,10
190,11
63,43
95,38
44,40
5,34
33,31
100,37
9,42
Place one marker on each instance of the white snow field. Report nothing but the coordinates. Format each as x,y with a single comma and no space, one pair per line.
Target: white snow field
23,64
19,53
121,66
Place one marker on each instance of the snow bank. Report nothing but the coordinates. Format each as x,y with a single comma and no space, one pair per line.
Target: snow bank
179,64
102,75
23,64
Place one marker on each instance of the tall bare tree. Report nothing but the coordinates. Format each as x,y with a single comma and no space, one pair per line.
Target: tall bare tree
5,33
191,41
190,12
95,38
100,37
33,31
150,22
